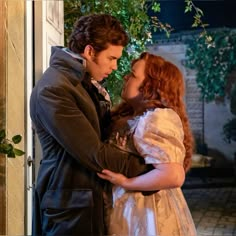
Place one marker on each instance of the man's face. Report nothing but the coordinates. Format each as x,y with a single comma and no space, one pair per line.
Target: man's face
101,65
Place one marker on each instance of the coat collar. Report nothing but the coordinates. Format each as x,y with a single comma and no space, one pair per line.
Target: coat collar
68,63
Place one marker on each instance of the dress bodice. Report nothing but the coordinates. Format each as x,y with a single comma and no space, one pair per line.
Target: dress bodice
157,136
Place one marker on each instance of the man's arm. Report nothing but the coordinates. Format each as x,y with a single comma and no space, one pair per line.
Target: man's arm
73,131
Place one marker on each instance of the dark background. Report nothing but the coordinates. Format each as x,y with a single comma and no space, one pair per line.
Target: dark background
217,13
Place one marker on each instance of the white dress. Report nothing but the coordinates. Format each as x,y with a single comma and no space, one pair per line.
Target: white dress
158,137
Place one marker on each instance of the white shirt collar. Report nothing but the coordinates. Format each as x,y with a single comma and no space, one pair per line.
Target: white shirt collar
75,55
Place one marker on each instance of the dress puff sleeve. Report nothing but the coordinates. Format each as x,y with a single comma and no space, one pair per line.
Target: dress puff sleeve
158,137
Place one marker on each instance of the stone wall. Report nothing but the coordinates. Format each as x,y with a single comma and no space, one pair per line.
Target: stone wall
194,105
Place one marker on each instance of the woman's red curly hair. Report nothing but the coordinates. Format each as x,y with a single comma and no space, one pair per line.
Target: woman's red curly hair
163,86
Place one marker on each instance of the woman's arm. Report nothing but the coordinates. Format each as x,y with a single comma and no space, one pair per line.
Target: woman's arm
164,176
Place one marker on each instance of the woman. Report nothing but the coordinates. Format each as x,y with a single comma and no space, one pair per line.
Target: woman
154,122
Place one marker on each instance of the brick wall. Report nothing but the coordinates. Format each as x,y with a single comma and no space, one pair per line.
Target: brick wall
194,105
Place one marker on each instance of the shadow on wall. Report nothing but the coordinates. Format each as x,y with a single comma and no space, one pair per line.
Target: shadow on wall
220,160
218,172
210,162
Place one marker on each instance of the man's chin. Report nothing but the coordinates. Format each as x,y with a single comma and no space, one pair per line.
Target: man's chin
97,78
105,76
101,79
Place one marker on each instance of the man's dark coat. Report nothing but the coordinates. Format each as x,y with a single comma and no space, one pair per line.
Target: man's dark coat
68,196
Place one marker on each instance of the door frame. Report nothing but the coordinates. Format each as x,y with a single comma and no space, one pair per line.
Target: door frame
3,5
29,147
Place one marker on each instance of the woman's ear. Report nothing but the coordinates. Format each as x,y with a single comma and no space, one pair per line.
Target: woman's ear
89,52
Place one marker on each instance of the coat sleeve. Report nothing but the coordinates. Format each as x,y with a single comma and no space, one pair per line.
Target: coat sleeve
61,116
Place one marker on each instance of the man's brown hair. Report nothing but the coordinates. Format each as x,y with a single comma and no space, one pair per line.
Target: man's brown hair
97,30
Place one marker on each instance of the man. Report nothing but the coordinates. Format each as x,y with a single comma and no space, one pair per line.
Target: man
68,115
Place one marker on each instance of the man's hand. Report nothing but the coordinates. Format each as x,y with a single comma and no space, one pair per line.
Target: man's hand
114,178
121,180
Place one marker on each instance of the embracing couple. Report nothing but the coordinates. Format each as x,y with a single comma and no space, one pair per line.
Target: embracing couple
110,171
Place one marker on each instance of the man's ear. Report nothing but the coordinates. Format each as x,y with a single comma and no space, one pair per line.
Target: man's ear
89,52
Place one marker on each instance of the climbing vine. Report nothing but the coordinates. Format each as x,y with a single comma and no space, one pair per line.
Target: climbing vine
212,62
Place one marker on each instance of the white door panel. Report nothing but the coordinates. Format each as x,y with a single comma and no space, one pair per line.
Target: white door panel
49,31
45,28
54,25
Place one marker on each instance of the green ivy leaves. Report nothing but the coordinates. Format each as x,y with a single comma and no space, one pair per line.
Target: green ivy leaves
213,64
7,146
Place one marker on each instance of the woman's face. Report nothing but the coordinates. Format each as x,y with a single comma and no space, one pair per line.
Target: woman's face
133,81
